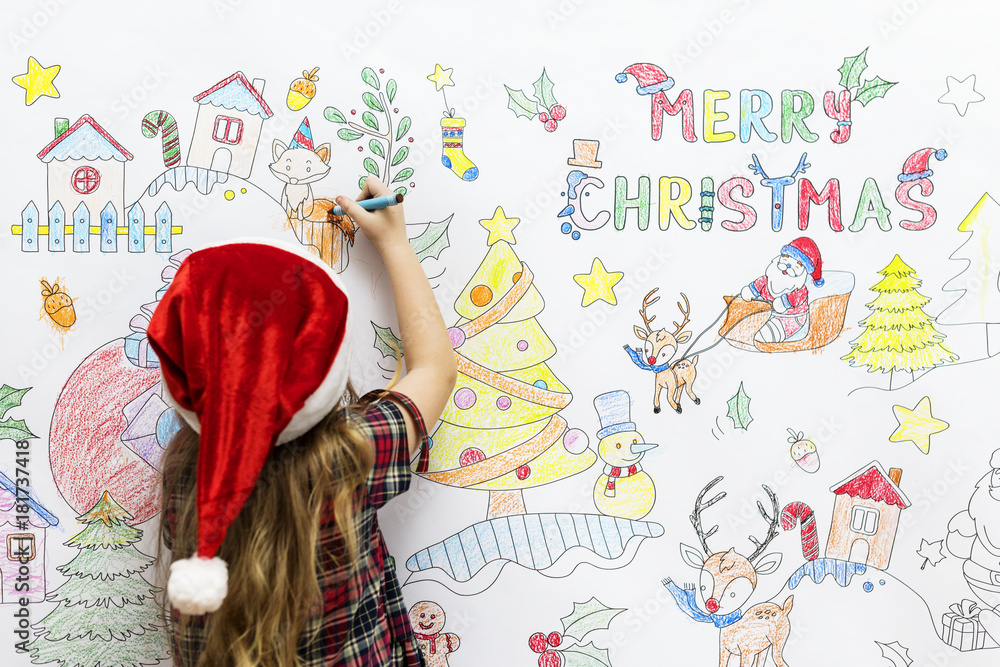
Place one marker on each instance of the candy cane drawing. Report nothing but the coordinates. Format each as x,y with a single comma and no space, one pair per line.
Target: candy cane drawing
800,512
163,121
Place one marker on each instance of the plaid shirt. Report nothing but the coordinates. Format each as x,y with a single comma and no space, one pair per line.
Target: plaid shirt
364,621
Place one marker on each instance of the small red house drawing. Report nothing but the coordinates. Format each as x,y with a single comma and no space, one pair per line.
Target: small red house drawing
865,516
227,129
85,164
22,544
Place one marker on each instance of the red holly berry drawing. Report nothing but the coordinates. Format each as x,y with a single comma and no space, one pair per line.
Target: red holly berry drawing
543,104
584,619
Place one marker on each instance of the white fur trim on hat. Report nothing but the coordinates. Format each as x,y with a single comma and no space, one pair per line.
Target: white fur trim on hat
197,585
329,392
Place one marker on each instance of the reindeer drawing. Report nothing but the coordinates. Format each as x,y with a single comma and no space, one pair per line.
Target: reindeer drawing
659,348
726,581
777,186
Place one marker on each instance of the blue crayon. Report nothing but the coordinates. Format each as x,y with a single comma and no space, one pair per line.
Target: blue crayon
373,204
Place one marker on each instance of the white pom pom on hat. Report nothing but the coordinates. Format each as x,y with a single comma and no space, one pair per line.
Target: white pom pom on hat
252,337
198,585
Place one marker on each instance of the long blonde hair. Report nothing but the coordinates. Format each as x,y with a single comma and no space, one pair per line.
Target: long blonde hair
271,547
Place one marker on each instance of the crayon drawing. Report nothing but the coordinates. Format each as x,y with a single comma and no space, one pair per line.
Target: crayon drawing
556,649
453,155
899,337
659,347
976,288
302,90
24,527
111,424
384,134
865,516
38,81
502,432
623,489
917,425
543,105
107,612
227,127
57,306
598,284
577,190
428,620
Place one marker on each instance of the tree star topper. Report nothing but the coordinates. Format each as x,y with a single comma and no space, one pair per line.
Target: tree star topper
500,227
37,81
599,284
917,425
441,77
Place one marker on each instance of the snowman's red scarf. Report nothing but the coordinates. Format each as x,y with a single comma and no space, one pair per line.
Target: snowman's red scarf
614,472
432,640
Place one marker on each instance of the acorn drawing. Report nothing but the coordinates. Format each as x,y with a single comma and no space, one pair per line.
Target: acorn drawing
58,305
302,90
803,451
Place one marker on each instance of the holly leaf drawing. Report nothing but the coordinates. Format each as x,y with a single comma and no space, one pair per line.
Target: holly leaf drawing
895,653
587,617
387,343
587,655
872,89
931,552
850,71
432,240
739,409
10,398
543,90
521,104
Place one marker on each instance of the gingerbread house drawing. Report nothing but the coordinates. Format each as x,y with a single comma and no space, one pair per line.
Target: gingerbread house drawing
85,165
865,516
22,544
227,128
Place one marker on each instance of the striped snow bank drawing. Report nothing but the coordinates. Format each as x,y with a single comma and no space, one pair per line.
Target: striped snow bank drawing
178,177
535,541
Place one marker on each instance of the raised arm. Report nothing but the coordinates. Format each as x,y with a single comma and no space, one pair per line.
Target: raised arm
430,362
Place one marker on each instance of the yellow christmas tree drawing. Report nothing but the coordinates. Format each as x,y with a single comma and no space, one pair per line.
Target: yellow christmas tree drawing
502,431
899,336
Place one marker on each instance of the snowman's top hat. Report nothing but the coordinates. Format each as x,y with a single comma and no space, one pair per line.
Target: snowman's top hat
614,411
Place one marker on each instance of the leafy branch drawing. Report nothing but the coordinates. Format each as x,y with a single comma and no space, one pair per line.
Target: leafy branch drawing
380,129
850,78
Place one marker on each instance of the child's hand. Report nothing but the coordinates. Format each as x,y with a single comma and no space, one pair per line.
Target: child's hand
384,227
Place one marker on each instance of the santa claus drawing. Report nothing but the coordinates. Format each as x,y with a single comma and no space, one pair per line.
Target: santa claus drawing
974,534
784,286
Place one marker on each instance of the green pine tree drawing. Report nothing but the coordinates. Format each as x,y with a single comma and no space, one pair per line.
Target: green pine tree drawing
107,615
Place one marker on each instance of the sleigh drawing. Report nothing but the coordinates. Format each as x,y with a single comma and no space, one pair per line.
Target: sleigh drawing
827,312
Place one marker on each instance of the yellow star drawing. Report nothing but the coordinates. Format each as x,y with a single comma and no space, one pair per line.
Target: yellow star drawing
917,425
441,77
500,227
599,284
37,81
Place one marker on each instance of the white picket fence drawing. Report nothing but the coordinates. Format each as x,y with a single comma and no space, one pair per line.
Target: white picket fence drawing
77,230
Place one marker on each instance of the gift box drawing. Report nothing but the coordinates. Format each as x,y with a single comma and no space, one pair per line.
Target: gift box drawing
961,627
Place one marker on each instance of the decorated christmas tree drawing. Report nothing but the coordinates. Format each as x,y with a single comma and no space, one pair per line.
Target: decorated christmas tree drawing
899,336
502,431
977,285
107,614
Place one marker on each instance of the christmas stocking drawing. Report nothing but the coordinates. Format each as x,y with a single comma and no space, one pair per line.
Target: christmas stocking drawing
452,155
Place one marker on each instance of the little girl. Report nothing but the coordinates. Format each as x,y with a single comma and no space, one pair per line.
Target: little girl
271,487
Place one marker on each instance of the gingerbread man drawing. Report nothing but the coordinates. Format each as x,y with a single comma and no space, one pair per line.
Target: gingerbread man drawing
427,619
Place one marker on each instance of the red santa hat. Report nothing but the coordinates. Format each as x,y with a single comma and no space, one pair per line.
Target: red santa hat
651,78
252,338
804,250
917,165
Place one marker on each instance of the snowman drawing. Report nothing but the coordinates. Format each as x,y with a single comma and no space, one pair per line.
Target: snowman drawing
623,489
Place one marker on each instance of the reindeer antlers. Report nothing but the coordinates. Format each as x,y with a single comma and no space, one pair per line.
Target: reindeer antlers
772,530
756,168
699,506
646,303
803,165
686,311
